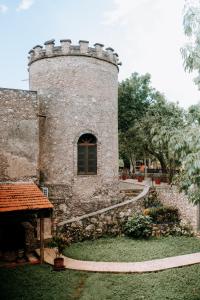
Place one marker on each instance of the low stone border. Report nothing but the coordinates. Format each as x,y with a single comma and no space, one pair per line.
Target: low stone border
107,221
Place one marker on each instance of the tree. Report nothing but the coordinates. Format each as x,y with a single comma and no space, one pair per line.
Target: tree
130,147
194,114
147,122
161,121
186,146
186,143
135,96
191,51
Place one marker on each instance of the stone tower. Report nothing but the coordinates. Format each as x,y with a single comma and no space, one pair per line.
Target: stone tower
77,89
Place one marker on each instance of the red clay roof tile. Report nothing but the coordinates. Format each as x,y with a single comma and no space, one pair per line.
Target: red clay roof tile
22,196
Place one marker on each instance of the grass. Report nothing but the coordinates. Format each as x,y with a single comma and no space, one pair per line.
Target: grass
125,249
40,282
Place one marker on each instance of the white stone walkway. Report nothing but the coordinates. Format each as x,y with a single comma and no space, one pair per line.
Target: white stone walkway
125,267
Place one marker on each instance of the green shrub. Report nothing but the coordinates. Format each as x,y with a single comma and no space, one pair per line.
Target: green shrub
152,199
139,226
164,214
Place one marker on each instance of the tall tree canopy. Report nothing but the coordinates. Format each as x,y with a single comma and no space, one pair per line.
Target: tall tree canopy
147,122
135,96
185,144
191,51
158,125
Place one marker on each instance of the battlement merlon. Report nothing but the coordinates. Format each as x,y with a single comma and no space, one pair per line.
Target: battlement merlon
67,49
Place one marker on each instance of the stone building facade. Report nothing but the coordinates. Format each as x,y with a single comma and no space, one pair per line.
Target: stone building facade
46,134
19,138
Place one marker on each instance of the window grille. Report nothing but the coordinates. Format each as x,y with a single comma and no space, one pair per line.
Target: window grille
87,155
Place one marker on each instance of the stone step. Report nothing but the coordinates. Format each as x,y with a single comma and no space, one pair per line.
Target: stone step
131,192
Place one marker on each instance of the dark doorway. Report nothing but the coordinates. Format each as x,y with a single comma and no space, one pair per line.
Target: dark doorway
12,236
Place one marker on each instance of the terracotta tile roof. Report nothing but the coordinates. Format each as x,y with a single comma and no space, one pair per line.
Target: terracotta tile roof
22,196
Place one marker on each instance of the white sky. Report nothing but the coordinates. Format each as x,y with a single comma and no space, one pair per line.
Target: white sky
147,35
152,35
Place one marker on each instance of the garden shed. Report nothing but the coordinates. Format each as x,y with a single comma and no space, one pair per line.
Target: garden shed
22,207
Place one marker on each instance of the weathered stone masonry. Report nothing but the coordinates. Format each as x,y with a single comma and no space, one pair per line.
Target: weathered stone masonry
19,135
108,221
77,89
171,197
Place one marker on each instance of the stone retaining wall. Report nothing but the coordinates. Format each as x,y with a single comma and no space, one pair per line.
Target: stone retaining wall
189,212
67,206
108,221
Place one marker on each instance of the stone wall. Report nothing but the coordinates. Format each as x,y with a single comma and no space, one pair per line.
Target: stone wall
108,221
67,205
170,196
19,146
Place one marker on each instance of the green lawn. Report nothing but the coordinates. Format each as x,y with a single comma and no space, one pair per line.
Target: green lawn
126,249
41,283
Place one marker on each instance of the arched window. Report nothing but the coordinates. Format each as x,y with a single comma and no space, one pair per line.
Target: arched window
87,154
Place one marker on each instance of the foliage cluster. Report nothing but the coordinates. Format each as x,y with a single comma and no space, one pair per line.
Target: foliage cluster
135,96
186,145
162,131
140,226
147,122
152,199
182,229
163,214
155,213
191,50
160,123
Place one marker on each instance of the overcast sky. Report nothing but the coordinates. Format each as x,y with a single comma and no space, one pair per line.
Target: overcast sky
147,34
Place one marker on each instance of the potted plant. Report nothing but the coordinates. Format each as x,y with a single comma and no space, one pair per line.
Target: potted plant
59,243
124,176
140,177
157,179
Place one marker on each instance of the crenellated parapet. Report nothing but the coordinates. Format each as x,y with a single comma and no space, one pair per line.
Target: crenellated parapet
67,49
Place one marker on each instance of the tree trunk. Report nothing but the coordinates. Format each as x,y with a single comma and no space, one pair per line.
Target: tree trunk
160,158
163,165
132,162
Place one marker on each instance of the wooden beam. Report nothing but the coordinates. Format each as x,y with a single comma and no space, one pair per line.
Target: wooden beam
41,240
41,116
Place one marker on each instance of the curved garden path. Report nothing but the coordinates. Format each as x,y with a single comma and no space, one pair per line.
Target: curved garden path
125,267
